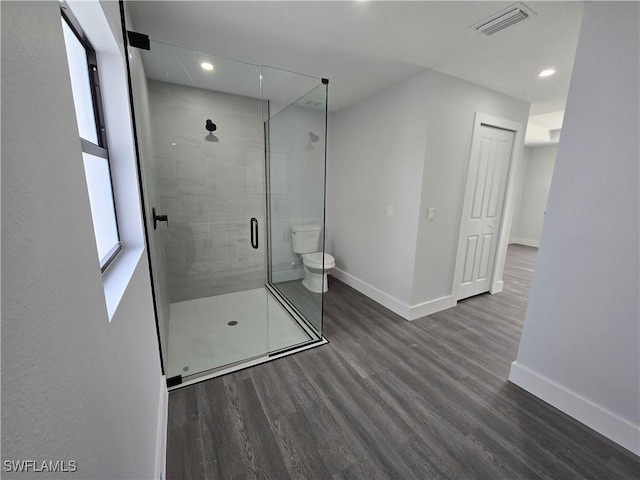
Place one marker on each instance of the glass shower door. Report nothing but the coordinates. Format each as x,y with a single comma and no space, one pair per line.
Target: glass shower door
227,285
296,198
204,168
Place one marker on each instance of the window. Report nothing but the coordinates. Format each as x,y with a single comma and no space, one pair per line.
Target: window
85,84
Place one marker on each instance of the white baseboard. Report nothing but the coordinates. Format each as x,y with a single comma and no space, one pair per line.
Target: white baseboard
161,433
373,293
430,307
405,311
497,287
525,241
594,416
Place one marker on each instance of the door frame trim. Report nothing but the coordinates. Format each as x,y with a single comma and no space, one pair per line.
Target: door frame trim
508,204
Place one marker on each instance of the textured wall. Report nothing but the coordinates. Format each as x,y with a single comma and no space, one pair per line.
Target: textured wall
375,160
580,346
74,385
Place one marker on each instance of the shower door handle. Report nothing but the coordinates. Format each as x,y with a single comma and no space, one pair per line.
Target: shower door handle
158,218
254,233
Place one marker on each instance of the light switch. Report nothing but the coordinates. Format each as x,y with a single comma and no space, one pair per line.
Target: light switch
431,213
389,210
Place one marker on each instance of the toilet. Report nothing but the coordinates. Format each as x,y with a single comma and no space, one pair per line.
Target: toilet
306,240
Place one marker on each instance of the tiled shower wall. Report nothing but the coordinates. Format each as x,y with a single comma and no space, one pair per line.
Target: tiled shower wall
210,185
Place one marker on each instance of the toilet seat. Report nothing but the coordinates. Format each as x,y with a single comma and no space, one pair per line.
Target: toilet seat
315,260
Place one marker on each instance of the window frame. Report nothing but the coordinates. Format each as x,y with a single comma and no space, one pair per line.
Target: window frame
101,149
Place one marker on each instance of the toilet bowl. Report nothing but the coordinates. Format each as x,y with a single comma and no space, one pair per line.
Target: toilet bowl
307,242
316,267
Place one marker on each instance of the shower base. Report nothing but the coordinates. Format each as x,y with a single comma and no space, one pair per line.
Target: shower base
213,332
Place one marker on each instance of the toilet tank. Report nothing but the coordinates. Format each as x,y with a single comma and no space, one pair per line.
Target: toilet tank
305,238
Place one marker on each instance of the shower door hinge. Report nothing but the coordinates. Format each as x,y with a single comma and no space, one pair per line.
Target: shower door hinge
139,40
173,381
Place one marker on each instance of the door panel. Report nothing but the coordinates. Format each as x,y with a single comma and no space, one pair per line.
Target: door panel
470,258
209,181
482,211
480,179
483,268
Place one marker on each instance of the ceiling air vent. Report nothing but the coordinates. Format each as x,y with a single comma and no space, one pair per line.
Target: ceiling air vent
503,19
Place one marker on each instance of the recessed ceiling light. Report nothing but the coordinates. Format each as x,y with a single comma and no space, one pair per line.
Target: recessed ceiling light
547,73
206,66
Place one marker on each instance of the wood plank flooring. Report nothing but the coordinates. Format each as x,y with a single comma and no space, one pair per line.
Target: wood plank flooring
390,399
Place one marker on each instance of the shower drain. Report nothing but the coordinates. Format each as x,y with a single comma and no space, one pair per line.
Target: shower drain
232,323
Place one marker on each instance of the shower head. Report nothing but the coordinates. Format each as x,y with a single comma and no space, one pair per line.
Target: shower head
313,138
210,126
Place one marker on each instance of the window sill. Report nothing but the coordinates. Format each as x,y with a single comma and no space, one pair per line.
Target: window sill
117,277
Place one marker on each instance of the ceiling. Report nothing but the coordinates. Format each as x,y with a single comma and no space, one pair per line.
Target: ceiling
363,47
167,63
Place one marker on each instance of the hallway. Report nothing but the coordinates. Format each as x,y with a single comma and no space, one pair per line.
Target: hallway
389,398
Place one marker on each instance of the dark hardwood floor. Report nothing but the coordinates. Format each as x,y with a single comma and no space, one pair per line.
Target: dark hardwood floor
390,399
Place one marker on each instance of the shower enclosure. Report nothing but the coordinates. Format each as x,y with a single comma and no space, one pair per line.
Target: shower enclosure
231,156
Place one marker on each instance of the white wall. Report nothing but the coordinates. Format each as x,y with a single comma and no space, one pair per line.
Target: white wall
452,106
375,160
519,189
407,147
580,347
534,183
74,385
